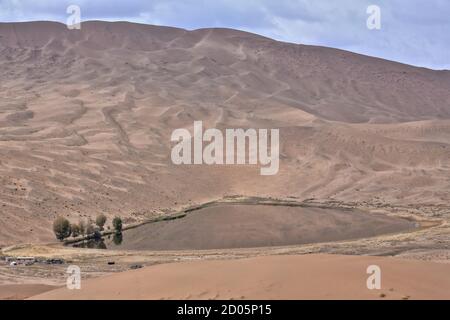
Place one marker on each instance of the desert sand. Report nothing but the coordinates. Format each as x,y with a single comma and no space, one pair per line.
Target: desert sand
270,277
86,117
85,123
22,291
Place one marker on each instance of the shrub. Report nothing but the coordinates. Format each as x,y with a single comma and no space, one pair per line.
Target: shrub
61,228
117,224
100,221
75,228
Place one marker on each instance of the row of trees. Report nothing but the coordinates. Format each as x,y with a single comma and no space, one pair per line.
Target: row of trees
64,229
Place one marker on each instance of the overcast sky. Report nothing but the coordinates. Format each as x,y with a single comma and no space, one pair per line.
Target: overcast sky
412,31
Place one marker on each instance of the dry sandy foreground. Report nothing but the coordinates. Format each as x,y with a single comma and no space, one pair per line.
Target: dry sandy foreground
315,276
22,291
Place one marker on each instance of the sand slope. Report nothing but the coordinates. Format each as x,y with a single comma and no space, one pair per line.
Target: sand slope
270,277
86,118
22,291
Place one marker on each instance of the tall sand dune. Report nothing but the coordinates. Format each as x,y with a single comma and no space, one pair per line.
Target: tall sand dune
86,117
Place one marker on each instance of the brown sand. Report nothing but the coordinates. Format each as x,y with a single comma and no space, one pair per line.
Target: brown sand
244,226
22,291
85,124
86,118
270,277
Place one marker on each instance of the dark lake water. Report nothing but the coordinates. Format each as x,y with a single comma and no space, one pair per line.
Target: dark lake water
244,226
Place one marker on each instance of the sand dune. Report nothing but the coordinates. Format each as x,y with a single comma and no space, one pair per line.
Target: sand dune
22,291
270,277
86,118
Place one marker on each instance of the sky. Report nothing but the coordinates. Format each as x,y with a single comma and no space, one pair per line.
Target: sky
415,32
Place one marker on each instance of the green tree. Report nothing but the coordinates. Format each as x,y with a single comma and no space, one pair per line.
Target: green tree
117,239
117,224
100,221
75,228
61,228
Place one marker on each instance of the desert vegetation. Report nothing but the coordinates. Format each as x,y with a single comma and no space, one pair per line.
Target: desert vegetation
100,221
117,224
63,228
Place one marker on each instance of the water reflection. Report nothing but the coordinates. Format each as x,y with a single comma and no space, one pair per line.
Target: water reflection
91,244
99,243
117,239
